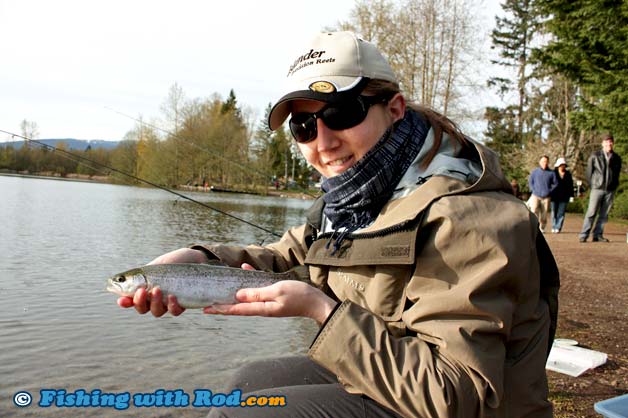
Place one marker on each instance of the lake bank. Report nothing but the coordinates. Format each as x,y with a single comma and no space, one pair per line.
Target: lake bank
293,194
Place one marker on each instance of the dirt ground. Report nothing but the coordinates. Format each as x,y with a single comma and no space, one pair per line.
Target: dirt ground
593,311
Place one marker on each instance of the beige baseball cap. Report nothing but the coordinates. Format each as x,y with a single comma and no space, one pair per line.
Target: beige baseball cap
331,68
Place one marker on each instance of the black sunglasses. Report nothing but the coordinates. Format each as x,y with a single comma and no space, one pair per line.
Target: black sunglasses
338,116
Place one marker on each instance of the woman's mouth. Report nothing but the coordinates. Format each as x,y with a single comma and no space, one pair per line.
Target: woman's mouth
339,161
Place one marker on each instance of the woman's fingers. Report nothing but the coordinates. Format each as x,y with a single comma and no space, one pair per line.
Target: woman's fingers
140,301
157,307
125,302
143,302
173,306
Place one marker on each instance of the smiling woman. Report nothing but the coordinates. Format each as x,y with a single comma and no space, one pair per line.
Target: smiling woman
435,293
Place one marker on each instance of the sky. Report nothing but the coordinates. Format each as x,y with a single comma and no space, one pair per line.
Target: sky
72,66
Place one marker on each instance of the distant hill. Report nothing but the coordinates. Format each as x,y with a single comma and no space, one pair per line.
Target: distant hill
70,143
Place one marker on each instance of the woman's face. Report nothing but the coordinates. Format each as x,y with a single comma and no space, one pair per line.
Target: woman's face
333,152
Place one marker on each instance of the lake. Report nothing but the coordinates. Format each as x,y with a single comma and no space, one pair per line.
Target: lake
60,329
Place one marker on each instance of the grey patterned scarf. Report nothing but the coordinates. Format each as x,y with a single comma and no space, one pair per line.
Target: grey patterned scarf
354,198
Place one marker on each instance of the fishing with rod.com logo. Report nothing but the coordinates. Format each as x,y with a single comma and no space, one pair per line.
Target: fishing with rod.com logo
161,398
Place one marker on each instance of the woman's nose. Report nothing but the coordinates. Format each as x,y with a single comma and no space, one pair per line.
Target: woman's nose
326,138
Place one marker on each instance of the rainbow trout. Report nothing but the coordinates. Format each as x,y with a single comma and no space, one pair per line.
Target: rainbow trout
195,285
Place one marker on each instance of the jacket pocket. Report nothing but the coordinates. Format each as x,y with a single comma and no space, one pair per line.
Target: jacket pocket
372,272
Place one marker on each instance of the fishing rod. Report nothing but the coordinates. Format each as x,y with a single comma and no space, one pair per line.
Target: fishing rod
191,143
82,160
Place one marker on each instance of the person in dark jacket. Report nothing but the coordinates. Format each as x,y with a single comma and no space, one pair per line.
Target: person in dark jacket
561,194
602,173
542,183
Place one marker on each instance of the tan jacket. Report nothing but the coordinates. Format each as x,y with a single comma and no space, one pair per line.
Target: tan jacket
444,300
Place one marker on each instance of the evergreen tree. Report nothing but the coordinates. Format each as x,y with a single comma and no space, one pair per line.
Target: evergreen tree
231,104
589,46
280,154
513,37
261,146
511,128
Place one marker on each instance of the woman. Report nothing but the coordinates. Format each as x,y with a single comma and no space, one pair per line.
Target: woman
561,194
435,293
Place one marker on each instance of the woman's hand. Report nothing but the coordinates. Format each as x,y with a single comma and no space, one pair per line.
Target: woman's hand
143,302
281,299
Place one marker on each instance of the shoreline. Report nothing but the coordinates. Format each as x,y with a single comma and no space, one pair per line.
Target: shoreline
84,178
75,177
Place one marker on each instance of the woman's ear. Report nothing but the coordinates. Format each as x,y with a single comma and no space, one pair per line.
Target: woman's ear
397,107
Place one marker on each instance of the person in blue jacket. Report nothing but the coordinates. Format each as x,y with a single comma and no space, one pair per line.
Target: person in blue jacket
542,183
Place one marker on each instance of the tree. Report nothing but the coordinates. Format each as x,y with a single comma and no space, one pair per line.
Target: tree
428,44
139,155
261,145
589,46
7,158
29,129
215,144
173,109
557,104
124,158
231,104
513,37
276,154
280,154
502,138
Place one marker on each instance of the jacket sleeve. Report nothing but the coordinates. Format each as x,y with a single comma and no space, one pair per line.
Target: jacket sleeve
475,268
531,181
416,380
589,170
615,165
280,256
554,182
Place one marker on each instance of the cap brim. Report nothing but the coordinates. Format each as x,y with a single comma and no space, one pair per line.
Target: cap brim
280,111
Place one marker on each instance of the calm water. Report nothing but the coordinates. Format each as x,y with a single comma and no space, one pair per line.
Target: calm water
59,328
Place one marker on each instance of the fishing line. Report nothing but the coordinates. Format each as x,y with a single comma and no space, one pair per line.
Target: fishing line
204,149
81,160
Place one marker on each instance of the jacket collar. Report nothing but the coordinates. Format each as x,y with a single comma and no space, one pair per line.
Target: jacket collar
446,175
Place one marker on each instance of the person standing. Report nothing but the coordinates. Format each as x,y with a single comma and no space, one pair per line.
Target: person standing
542,183
602,173
561,195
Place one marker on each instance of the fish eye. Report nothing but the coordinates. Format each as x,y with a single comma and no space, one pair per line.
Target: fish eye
121,279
